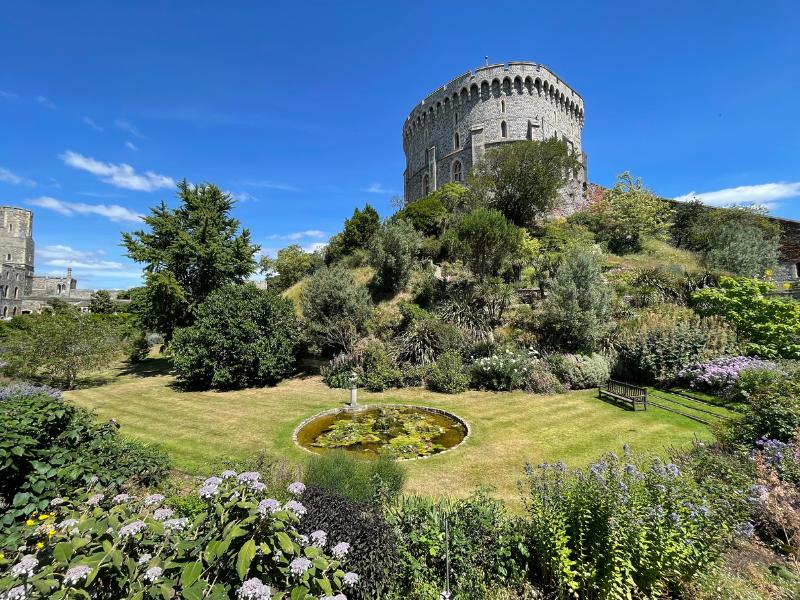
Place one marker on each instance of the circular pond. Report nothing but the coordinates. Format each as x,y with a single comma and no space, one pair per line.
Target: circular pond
393,430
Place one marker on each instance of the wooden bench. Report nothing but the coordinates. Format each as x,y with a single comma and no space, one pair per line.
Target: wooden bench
624,392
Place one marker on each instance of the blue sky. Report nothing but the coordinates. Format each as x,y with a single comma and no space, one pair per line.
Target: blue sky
297,109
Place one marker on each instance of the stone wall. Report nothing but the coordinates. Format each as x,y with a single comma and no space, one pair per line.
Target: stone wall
454,126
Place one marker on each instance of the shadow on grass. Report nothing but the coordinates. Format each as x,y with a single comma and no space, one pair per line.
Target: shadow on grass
149,367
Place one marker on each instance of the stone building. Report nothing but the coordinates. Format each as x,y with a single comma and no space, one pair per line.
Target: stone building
21,291
452,128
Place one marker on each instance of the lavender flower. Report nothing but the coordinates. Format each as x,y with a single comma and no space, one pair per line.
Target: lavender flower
340,550
268,506
120,499
76,574
153,499
673,470
17,593
208,491
228,474
213,481
299,566
295,507
161,514
144,559
56,501
350,579
319,538
153,573
254,589
297,488
95,500
176,524
249,477
26,566
27,390
302,540
257,486
132,529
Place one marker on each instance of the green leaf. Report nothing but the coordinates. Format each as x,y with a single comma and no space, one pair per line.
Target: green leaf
63,552
246,555
299,593
191,573
286,543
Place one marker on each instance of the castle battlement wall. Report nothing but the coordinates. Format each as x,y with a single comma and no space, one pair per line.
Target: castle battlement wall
449,131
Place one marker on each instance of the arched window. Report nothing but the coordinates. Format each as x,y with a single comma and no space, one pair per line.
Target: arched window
502,106
5,311
14,312
503,129
455,117
16,292
456,142
426,185
457,171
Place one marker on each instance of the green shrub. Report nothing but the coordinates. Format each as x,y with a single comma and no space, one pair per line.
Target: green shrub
392,253
49,448
242,337
448,375
343,371
425,337
412,375
380,369
373,545
485,546
109,549
542,381
579,371
505,370
773,413
359,480
620,529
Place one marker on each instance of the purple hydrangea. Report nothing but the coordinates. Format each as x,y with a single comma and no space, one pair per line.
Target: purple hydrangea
132,529
269,506
120,499
299,566
350,579
76,574
208,491
19,592
67,524
249,477
319,538
336,597
95,500
213,481
297,488
153,499
56,501
295,507
176,524
228,474
340,550
144,559
161,514
254,589
722,373
153,573
25,567
257,486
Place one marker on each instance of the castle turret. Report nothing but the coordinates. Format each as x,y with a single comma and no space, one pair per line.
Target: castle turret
16,236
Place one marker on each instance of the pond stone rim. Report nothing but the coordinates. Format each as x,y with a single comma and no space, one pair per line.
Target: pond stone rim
348,408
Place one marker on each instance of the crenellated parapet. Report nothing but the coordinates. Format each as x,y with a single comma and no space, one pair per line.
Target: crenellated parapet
448,131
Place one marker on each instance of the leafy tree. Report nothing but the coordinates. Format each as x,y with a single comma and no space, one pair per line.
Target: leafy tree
575,315
102,304
430,215
290,266
356,235
336,310
392,253
522,179
625,215
554,239
740,240
686,216
770,325
485,241
61,345
188,253
243,337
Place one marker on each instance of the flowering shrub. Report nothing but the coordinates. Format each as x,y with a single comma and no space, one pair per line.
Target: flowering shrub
49,447
243,546
504,370
622,528
772,413
343,371
722,374
579,371
447,374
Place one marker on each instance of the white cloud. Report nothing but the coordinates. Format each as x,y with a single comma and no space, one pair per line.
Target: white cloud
765,194
120,175
46,102
377,188
131,146
242,196
128,127
113,212
273,185
314,247
8,176
90,122
298,235
66,256
8,95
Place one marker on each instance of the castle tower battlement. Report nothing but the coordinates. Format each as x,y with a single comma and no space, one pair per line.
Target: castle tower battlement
16,236
451,129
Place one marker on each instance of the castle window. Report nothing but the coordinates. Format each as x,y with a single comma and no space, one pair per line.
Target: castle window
502,106
426,185
427,155
16,293
5,311
8,256
14,312
455,117
503,129
797,270
457,171
456,142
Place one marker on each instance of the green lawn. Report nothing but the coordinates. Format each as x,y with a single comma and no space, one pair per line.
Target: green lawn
508,429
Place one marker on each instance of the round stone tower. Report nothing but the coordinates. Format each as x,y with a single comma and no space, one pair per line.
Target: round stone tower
16,236
451,129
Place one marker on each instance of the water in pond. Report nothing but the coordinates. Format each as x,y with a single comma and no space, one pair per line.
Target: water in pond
396,431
